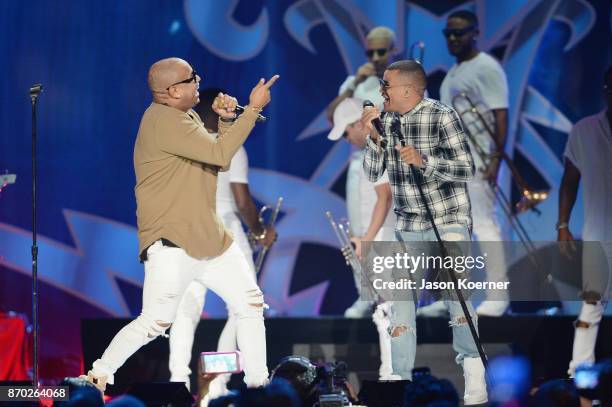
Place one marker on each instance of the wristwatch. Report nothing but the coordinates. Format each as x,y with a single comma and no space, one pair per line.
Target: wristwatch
230,120
562,225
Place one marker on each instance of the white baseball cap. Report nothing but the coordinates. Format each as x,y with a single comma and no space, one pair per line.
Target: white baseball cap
347,112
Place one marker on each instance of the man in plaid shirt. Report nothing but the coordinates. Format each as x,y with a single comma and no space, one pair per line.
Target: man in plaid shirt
427,135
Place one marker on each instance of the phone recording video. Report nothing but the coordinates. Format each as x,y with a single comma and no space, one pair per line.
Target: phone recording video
221,362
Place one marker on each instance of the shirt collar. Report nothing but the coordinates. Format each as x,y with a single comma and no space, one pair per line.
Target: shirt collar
414,109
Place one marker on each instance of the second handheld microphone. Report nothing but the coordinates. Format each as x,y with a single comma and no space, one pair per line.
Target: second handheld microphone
260,117
377,124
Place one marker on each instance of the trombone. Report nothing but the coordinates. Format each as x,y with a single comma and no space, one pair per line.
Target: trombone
420,46
529,197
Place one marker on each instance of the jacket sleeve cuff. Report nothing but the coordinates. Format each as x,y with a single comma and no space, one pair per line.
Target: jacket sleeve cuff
250,114
430,167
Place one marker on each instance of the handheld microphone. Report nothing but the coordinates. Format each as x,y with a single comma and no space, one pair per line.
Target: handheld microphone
260,117
377,124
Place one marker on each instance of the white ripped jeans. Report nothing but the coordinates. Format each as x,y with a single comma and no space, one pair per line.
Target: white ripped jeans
168,273
487,229
189,314
598,279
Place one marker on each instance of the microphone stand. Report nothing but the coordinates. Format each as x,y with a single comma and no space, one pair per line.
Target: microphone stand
418,181
35,91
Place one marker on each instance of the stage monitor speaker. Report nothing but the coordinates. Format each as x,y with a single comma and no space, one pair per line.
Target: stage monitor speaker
382,393
158,394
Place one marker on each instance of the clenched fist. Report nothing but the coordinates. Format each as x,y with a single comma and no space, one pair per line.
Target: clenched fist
410,155
225,106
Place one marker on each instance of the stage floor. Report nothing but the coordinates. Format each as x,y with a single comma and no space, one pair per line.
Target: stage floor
545,340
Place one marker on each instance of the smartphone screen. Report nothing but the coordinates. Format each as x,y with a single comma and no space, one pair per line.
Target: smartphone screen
220,362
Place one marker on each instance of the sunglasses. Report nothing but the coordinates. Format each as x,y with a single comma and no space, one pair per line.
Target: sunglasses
457,32
380,52
193,78
384,85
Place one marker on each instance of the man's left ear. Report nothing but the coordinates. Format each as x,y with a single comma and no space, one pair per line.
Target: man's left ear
173,93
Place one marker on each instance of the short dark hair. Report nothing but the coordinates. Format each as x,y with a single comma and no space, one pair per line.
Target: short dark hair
81,393
556,393
465,15
429,390
410,67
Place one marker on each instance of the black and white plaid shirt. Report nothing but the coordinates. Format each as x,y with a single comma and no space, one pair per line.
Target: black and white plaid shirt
435,130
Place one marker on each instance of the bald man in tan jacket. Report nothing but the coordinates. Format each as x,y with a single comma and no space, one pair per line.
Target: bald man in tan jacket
180,237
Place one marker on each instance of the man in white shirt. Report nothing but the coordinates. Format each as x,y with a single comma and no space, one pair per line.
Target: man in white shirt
370,216
364,85
587,158
482,78
233,199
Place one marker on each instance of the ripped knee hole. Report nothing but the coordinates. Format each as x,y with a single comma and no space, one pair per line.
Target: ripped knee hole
582,324
458,321
158,329
398,330
256,294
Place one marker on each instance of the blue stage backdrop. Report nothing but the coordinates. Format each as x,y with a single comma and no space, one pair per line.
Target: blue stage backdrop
92,59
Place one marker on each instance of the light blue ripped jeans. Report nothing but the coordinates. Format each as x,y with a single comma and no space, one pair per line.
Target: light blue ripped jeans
403,346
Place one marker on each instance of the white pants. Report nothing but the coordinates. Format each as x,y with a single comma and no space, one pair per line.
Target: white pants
380,317
382,322
486,229
598,271
168,273
189,314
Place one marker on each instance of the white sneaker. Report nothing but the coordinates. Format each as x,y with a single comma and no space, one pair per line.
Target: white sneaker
475,384
359,309
435,309
492,308
390,378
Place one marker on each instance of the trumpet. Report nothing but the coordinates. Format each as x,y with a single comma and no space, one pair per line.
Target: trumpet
347,247
262,253
341,229
420,46
529,198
